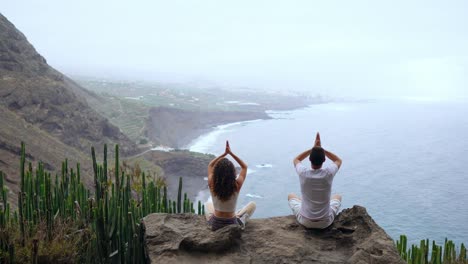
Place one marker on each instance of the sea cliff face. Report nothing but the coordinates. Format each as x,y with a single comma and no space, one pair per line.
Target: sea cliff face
354,237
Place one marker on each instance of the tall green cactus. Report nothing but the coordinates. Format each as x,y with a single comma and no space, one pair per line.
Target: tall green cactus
440,254
164,200
462,255
22,161
112,214
179,196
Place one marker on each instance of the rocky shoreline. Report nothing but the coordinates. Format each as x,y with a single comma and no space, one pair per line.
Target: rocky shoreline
176,128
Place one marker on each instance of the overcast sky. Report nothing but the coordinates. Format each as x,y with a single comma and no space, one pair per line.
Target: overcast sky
374,48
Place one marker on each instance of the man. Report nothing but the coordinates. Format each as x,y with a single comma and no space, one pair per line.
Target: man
316,209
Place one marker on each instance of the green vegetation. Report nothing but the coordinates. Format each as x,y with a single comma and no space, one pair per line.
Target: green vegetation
128,115
60,221
420,254
127,103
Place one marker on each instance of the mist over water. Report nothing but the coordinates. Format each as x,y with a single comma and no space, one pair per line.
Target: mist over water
405,161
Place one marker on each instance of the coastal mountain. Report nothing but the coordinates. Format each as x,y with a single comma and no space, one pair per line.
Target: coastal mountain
46,110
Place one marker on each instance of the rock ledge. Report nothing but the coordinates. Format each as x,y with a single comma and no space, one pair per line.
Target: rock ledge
354,237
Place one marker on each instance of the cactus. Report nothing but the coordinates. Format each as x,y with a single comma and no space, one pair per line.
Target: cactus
179,196
35,249
11,252
112,213
116,169
21,219
440,254
164,200
462,255
22,161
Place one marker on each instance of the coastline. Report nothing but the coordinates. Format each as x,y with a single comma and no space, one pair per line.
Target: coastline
193,132
177,128
201,143
216,130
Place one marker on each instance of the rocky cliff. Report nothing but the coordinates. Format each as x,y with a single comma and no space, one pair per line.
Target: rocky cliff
354,237
44,97
46,110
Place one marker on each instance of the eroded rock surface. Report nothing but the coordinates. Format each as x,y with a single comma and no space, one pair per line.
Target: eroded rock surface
354,237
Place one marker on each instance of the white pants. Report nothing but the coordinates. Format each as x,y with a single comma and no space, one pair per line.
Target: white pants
295,205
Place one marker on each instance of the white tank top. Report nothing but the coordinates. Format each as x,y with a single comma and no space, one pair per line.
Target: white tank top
228,206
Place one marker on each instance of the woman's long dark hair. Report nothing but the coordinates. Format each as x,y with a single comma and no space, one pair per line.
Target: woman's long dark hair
224,179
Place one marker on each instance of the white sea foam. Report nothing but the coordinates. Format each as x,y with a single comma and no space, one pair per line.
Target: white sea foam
206,141
203,196
134,98
241,103
264,165
254,196
275,112
163,148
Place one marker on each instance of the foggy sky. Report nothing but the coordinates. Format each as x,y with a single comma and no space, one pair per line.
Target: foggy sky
346,48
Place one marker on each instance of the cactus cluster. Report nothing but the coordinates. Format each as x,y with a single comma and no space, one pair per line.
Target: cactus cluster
439,254
109,219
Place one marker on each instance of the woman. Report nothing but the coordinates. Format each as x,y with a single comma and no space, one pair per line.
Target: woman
225,188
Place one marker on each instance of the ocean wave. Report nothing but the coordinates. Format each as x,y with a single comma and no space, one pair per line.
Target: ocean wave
204,142
241,103
134,98
203,196
162,148
264,165
254,196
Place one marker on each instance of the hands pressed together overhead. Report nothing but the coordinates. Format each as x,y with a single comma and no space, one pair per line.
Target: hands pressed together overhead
228,148
328,154
317,143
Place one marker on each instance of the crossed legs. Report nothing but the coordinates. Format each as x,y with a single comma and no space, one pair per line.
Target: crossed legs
334,197
249,209
295,203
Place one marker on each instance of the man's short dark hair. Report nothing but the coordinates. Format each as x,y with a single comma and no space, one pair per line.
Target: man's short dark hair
317,156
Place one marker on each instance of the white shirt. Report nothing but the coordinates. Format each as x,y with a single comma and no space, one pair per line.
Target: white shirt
316,190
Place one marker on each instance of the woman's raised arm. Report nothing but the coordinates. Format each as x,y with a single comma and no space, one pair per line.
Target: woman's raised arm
240,180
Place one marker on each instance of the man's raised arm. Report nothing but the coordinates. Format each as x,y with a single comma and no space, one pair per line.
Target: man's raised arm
306,153
301,157
333,158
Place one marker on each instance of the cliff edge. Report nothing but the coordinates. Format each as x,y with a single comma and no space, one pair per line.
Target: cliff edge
354,237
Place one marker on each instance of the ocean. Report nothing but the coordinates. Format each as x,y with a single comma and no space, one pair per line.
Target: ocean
405,161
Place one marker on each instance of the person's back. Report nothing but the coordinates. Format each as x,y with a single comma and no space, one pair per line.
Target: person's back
224,189
315,209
